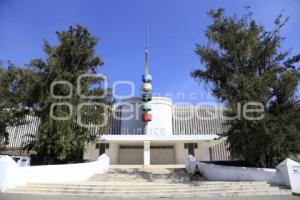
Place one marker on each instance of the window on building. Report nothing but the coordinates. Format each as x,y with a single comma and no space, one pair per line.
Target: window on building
102,147
191,148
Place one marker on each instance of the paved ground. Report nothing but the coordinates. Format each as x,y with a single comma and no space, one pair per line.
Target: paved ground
4,196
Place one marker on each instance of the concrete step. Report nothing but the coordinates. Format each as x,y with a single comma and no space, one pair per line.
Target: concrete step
156,174
141,188
137,192
158,170
164,194
150,183
119,189
139,180
146,171
140,176
147,184
137,176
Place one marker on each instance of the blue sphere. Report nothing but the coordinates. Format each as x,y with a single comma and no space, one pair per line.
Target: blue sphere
147,78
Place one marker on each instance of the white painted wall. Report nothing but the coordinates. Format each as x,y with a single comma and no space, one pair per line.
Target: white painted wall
229,173
177,155
11,175
92,154
286,173
201,153
146,152
290,171
113,153
180,153
161,123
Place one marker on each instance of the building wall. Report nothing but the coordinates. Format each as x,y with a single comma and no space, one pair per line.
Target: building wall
90,153
113,153
23,134
170,119
175,119
175,155
220,152
195,120
180,153
201,153
131,115
161,123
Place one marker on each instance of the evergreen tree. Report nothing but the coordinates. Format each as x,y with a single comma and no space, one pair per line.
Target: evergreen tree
243,63
63,141
15,102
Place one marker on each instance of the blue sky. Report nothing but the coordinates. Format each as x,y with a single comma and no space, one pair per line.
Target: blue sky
175,26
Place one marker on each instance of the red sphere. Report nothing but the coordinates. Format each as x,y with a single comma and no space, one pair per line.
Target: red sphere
146,117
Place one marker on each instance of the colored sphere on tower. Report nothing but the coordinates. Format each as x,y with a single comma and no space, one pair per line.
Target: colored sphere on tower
147,107
147,78
146,117
146,97
147,87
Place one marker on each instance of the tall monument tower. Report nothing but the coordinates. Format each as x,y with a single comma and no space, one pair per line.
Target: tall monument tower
146,94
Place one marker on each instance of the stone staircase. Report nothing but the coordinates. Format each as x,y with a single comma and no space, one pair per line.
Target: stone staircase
152,182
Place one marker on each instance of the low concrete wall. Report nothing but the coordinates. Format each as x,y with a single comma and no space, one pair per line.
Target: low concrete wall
11,175
228,173
286,173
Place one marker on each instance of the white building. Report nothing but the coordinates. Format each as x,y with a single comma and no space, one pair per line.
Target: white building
173,133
